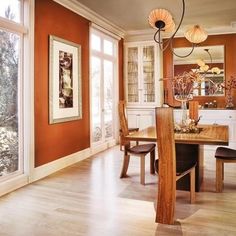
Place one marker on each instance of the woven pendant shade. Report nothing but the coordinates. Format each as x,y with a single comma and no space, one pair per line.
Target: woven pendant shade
161,15
196,34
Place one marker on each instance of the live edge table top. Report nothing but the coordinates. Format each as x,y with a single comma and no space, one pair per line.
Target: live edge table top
209,135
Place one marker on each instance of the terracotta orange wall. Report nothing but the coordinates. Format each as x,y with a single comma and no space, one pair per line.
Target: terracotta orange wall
228,40
58,140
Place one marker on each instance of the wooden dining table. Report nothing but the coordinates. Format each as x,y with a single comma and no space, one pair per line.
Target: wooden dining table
208,135
189,148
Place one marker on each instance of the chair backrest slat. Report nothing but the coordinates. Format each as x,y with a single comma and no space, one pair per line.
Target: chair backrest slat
193,110
122,118
167,164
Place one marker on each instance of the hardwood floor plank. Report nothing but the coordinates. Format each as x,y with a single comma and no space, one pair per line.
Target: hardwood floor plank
89,198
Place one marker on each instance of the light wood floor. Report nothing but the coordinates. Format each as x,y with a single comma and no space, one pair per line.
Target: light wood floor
88,198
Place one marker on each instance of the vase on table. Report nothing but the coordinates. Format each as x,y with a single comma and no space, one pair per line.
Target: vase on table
184,99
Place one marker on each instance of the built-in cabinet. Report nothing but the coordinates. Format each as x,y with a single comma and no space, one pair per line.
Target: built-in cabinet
142,83
140,73
140,118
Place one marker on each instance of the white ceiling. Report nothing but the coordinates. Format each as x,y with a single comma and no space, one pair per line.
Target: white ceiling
132,15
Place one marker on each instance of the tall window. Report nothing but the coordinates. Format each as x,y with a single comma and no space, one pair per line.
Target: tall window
11,41
103,85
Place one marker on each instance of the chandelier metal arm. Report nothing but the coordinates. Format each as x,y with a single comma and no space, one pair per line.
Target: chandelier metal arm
181,20
159,41
183,56
207,51
162,21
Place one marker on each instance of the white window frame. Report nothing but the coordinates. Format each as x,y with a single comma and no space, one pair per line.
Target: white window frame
25,29
104,34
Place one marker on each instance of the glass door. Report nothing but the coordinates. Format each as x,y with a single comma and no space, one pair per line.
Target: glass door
133,75
103,93
96,66
148,74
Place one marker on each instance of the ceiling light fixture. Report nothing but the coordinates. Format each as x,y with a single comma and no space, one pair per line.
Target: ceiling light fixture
206,68
162,21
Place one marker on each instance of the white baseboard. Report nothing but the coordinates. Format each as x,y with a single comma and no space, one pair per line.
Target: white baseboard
13,184
101,147
50,168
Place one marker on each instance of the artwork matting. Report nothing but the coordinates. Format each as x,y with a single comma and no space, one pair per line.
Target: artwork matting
65,102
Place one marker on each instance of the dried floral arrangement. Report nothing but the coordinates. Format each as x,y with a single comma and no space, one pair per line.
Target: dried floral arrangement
191,127
231,84
184,84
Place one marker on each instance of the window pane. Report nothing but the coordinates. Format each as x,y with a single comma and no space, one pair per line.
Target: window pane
10,9
96,42
108,95
9,58
96,101
108,47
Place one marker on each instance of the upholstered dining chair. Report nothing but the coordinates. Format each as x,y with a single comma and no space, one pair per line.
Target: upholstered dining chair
137,150
223,155
122,139
167,154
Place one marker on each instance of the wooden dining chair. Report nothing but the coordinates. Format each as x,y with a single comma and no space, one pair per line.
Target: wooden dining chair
168,168
193,110
122,139
223,155
137,150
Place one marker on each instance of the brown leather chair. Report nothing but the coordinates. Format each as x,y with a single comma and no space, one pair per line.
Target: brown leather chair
137,150
223,155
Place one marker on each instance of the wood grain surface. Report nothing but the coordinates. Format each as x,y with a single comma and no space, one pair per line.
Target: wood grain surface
210,135
89,198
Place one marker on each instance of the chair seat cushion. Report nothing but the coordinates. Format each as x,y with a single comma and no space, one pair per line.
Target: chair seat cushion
225,153
142,149
133,129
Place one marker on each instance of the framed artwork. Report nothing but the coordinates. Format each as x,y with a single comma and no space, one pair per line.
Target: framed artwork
65,102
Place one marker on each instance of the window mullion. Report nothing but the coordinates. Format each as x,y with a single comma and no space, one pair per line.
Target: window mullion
12,26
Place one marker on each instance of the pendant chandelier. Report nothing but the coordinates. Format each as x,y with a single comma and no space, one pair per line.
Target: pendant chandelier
162,21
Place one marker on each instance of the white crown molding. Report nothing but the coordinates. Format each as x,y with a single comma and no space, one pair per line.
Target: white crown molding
87,13
147,34
139,35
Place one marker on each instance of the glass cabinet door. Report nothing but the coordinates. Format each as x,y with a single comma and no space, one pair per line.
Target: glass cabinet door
148,74
132,75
